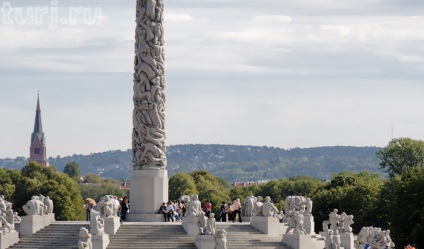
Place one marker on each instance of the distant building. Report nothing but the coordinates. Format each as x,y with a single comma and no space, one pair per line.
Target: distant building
38,140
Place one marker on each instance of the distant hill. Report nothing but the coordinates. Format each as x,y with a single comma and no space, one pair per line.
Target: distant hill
233,162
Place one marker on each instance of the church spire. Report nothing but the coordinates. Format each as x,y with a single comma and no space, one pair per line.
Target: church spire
38,140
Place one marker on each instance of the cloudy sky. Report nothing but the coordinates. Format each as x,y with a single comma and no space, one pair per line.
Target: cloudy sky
280,73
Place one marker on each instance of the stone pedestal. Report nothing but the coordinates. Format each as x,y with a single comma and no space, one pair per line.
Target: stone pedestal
31,224
190,227
205,241
149,189
268,225
246,219
112,225
8,239
100,241
347,240
309,224
302,241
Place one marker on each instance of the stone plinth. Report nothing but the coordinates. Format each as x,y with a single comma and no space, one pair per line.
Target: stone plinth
190,227
309,224
100,241
31,224
302,241
347,240
112,225
8,239
246,219
268,225
149,189
205,241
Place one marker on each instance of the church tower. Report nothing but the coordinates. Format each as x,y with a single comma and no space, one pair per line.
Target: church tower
38,140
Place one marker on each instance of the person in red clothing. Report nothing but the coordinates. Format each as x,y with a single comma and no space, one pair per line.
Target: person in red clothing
208,208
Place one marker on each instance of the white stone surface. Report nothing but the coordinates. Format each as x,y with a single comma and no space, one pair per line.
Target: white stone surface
112,225
205,241
190,227
302,241
347,240
31,224
149,189
309,224
100,241
268,225
8,239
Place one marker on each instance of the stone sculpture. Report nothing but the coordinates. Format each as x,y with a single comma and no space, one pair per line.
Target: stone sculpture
341,223
105,207
257,207
211,225
298,203
248,206
376,238
32,207
194,208
332,240
202,223
84,239
16,217
221,239
3,205
97,225
268,208
149,84
49,205
295,222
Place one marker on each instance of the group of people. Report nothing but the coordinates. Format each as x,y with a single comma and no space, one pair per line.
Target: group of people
410,246
172,210
120,207
231,211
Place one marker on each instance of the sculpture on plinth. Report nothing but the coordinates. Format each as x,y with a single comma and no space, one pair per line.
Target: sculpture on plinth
376,238
149,84
338,222
221,239
105,207
210,225
33,206
97,225
332,240
295,222
49,205
248,206
268,208
202,223
84,239
194,208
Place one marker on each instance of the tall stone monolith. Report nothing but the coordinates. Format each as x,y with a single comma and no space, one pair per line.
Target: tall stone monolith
149,181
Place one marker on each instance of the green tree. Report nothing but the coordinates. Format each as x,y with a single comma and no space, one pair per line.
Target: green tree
401,154
98,191
356,194
36,179
92,178
404,202
181,184
72,170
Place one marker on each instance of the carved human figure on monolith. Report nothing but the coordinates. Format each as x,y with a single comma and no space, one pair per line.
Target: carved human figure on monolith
149,84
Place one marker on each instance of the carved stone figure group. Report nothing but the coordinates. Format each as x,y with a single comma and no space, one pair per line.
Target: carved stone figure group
221,239
38,205
375,237
295,222
340,222
149,99
206,225
298,203
253,206
7,222
84,239
332,240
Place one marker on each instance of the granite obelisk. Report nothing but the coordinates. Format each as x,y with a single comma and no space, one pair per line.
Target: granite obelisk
149,181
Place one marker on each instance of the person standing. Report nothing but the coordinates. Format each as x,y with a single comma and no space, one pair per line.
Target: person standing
237,209
223,212
230,212
208,208
87,207
124,209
